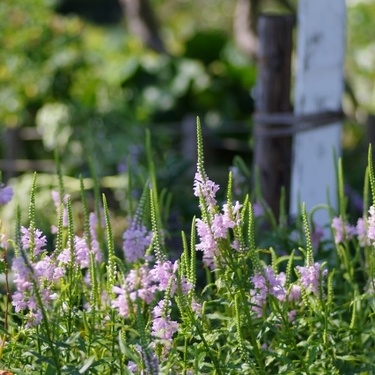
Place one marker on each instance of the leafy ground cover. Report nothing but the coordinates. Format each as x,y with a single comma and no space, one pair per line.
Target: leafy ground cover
249,294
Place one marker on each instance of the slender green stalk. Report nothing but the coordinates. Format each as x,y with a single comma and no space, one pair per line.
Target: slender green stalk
111,267
366,192
185,255
32,219
371,174
289,268
239,332
186,346
111,274
309,249
156,240
283,217
342,198
60,176
251,239
154,194
192,275
17,231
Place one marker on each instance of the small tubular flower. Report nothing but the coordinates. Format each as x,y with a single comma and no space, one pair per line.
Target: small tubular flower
206,189
138,284
310,277
266,283
136,241
40,240
162,326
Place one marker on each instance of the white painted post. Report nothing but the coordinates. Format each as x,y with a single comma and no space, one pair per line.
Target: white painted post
319,87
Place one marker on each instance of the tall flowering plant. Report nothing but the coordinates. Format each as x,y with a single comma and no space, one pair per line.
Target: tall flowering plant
79,303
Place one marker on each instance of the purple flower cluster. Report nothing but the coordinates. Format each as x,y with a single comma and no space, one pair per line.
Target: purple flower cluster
162,273
215,227
144,283
162,325
93,221
136,241
81,253
364,230
310,277
343,231
209,234
207,243
6,194
266,283
42,272
138,284
206,189
40,240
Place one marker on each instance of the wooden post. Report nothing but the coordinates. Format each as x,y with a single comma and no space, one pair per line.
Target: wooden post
319,87
272,155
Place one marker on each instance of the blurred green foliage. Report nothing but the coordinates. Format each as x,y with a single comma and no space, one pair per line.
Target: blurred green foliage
39,54
360,61
90,91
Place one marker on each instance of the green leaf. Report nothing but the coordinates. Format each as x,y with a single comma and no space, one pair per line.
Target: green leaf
41,358
126,350
350,358
312,355
50,370
86,365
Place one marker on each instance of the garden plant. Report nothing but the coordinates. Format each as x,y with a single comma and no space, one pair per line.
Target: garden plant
249,294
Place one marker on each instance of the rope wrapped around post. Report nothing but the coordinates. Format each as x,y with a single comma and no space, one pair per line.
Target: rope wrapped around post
272,125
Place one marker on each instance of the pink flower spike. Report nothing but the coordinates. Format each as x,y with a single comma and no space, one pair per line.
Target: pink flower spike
40,240
163,327
205,188
310,277
341,228
295,293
